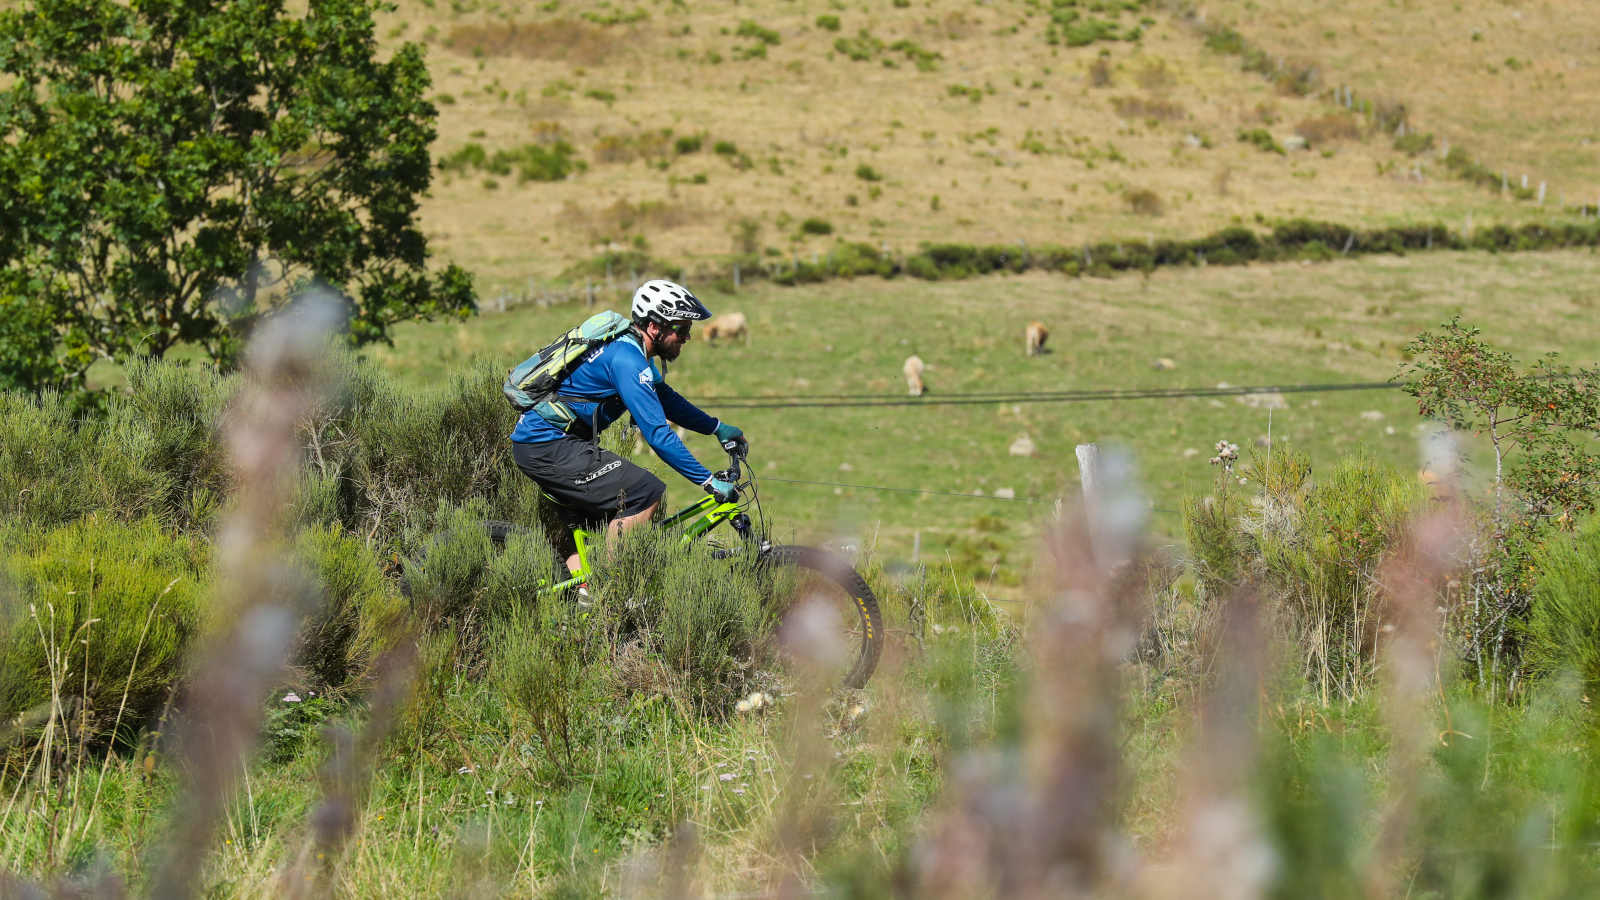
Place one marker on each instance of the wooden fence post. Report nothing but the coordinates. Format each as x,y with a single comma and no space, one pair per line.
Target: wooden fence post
1089,476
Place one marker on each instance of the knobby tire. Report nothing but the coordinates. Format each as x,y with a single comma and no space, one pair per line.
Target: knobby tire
869,638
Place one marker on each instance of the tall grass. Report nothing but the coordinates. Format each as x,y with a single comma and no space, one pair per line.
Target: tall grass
1564,628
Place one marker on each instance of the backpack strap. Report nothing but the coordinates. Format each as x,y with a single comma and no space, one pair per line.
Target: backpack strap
634,335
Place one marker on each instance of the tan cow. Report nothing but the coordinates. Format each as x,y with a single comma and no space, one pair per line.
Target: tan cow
727,325
913,369
1037,335
1439,488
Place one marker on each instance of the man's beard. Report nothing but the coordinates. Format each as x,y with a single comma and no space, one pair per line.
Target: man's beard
670,349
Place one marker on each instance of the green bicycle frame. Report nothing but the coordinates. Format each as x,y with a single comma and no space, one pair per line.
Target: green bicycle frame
710,514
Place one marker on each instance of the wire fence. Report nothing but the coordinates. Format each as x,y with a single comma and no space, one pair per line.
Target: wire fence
874,487
839,401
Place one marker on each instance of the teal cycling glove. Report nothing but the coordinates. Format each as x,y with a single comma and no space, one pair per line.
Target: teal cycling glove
726,433
722,490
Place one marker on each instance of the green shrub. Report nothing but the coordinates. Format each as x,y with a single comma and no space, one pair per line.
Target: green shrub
852,260
868,173
1316,548
536,162
408,450
516,574
749,29
1563,630
1211,529
816,226
926,60
1085,32
860,48
828,23
1262,140
531,162
704,621
333,646
174,415
965,90
1316,250
49,472
542,661
471,156
725,148
689,143
444,575
106,609
1412,143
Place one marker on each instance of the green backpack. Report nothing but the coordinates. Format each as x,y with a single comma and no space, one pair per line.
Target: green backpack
536,380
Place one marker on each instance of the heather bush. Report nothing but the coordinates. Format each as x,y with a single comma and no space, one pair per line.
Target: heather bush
1563,631
54,470
705,623
95,619
355,614
1313,547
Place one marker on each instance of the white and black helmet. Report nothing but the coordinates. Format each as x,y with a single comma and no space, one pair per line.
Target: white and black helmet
666,302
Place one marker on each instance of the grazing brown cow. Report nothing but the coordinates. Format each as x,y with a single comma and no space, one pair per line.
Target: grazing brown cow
913,369
1037,335
1439,488
727,325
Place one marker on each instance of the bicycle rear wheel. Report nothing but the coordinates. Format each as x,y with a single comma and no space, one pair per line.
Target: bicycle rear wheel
809,580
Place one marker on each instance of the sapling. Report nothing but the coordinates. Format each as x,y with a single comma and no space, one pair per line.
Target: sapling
1539,425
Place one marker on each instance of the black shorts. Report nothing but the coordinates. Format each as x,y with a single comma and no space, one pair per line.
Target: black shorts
590,484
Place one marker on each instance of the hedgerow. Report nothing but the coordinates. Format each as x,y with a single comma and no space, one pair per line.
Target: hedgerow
1298,239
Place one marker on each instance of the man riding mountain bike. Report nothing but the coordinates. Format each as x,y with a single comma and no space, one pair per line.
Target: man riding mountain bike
565,458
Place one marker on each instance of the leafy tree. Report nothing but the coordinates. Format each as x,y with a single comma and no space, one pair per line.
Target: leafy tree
1542,425
171,171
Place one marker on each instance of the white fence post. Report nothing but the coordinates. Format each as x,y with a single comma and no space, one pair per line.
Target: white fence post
1089,476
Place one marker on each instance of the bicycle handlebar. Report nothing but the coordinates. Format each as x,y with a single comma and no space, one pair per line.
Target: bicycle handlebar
737,451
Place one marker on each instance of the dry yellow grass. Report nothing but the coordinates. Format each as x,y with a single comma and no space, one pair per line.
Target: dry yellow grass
1514,82
1041,154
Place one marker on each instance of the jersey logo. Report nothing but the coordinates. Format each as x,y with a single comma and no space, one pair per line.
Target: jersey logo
648,376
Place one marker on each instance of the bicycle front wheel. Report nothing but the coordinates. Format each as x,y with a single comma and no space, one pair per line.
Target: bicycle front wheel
810,581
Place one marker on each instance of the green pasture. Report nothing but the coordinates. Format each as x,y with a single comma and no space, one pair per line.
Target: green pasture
1291,323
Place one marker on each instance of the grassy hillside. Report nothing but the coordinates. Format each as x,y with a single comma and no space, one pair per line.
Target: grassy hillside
702,127
1290,323
1510,81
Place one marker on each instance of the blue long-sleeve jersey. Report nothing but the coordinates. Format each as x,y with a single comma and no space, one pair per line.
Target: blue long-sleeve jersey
619,370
